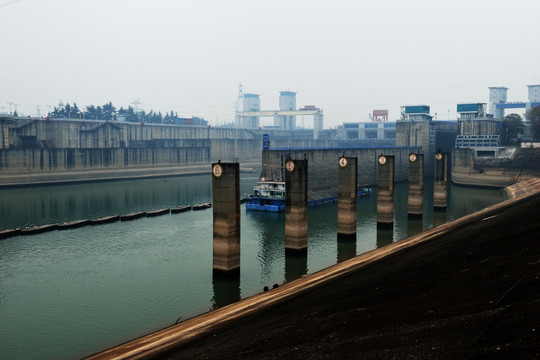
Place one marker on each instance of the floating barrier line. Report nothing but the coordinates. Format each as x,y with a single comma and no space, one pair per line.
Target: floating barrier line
7,233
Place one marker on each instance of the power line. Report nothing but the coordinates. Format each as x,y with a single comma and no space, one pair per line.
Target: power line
6,4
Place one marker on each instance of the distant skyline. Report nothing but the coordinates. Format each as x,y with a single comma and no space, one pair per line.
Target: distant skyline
189,56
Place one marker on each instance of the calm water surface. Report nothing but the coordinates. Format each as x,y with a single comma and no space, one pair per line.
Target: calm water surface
68,294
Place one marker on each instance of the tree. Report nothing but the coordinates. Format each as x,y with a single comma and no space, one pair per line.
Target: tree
75,111
91,113
108,111
533,116
511,128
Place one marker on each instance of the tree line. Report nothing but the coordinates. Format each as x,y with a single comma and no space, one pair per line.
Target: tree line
512,127
109,112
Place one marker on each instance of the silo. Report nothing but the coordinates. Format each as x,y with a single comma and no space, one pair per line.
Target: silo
287,101
497,95
252,102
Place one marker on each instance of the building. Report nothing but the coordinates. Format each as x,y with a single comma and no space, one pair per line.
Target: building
416,128
476,128
478,131
497,95
251,102
380,115
498,103
287,101
368,131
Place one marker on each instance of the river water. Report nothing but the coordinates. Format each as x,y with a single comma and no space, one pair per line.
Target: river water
68,294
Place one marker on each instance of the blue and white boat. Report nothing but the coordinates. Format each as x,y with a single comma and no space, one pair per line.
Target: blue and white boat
269,195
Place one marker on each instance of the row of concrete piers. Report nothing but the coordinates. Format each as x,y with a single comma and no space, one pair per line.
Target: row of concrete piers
226,202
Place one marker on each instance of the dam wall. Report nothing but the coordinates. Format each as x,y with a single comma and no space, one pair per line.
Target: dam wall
73,134
37,150
323,166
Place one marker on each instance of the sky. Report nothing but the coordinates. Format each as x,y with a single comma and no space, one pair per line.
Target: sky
347,57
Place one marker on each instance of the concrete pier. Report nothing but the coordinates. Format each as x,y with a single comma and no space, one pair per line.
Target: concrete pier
416,185
385,190
296,209
440,183
347,194
226,211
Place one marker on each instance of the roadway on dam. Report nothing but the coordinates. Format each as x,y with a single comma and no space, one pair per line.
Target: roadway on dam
466,289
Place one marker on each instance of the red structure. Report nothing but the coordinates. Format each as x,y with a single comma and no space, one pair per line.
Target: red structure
380,115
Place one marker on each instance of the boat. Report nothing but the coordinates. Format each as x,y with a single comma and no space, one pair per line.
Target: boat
269,195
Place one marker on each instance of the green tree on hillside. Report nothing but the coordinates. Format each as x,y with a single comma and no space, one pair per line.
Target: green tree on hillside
511,128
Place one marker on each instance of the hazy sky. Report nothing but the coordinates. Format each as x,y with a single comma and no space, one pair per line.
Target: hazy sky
346,57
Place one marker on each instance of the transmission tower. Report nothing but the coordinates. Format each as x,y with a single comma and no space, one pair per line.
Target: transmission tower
237,105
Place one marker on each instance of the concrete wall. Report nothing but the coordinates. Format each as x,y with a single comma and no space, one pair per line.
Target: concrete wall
446,136
4,132
422,134
23,161
323,171
34,146
478,127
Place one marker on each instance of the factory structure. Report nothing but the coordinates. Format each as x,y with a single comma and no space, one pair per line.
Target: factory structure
498,103
477,127
284,118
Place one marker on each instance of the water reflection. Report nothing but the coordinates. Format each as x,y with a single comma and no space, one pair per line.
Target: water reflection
385,236
346,249
439,217
295,265
465,200
414,226
39,205
270,233
226,289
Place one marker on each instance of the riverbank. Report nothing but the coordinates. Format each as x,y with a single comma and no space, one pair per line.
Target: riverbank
465,289
40,178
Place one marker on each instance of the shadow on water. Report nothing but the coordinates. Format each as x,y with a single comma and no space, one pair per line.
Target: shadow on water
226,289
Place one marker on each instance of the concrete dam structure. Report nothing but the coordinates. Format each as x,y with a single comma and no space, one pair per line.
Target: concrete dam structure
323,172
40,151
37,150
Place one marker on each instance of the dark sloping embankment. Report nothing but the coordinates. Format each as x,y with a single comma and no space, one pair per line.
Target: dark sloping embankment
465,290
